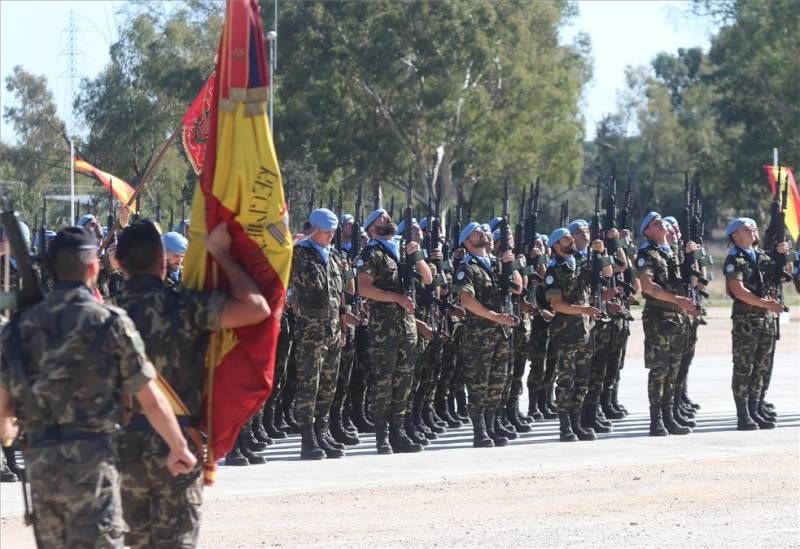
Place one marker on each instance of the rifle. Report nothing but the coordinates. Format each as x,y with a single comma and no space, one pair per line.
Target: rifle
158,208
407,273
391,207
689,264
43,240
337,239
456,228
564,217
171,218
183,218
355,250
519,228
506,269
310,204
596,232
774,235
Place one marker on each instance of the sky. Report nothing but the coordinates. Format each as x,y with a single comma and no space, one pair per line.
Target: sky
33,33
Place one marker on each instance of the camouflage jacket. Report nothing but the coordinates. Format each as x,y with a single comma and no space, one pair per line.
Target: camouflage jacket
665,269
574,287
317,287
173,278
175,326
385,272
70,360
473,278
753,276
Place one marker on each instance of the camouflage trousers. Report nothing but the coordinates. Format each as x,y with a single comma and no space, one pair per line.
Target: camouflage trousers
665,336
161,510
75,491
346,360
317,347
393,349
616,353
688,354
452,362
420,369
753,347
542,372
521,344
487,355
430,362
573,358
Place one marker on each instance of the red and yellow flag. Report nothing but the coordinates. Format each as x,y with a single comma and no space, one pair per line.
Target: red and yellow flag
197,125
792,206
119,188
240,184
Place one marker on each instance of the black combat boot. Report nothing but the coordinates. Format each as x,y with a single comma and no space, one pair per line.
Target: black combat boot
544,405
412,432
269,421
382,438
416,417
359,416
685,398
601,417
583,433
608,409
331,448
245,439
743,420
681,418
339,433
309,449
235,457
399,440
249,440
258,428
761,421
347,421
502,427
288,416
657,428
591,419
767,413
7,476
436,418
440,403
480,439
430,421
686,411
512,413
533,406
461,411
499,440
565,433
670,424
615,401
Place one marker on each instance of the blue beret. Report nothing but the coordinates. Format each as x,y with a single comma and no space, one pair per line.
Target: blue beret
181,226
738,222
557,235
494,222
424,224
85,219
647,219
577,224
323,219
401,227
468,230
671,220
49,235
373,216
347,218
542,237
486,228
175,243
496,234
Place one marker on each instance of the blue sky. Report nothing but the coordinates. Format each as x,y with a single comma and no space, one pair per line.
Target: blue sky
33,34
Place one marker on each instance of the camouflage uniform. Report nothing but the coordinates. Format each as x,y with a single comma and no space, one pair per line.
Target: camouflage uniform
570,335
317,289
173,278
162,510
71,359
393,335
487,345
754,328
665,324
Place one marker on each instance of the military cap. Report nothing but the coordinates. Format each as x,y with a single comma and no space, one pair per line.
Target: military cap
671,220
373,216
557,235
85,219
175,243
347,218
577,224
647,219
495,221
71,238
402,226
136,234
468,230
738,222
323,219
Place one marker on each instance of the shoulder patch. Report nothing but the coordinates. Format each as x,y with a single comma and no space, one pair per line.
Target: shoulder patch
460,275
549,280
640,262
729,268
360,262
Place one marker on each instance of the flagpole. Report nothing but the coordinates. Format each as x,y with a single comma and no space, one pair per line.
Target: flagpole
72,181
151,168
775,156
272,39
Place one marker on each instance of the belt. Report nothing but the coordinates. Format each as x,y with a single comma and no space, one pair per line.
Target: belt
139,422
55,434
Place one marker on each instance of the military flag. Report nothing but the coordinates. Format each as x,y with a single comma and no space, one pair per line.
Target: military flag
240,183
792,206
196,125
119,188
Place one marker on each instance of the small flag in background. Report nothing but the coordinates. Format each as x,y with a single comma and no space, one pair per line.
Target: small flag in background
792,206
119,188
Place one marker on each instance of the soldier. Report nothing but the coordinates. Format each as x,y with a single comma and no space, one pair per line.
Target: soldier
70,358
754,315
486,334
175,245
665,321
392,328
318,301
567,289
175,324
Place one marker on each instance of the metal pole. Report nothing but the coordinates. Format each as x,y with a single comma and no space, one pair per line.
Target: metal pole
775,156
272,49
72,181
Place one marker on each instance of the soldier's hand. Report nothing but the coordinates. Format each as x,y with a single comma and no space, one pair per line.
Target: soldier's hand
593,312
527,308
219,240
424,330
692,247
412,248
507,257
458,312
782,248
436,255
688,305
598,246
610,293
3,247
406,303
534,252
505,319
625,233
547,315
773,306
521,260
614,308
123,215
180,461
350,319
608,271
612,233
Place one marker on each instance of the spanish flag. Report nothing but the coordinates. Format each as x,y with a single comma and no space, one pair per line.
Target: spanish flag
792,206
240,183
119,188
